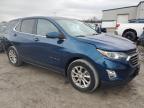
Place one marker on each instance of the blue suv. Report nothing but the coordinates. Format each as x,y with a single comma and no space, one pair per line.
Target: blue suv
70,47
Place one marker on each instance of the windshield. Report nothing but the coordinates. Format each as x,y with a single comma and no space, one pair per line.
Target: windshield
76,28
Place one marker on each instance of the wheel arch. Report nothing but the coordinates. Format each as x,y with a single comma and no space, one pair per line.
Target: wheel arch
130,29
91,64
76,58
7,44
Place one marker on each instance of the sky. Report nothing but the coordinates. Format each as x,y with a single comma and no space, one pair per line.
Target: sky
79,9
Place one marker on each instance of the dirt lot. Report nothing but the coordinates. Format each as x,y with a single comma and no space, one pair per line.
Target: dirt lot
32,87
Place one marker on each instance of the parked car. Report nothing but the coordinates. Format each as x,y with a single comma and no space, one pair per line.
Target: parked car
103,30
141,39
91,25
1,44
2,33
96,27
68,46
131,30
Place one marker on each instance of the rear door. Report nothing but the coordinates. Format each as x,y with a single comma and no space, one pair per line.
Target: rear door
24,36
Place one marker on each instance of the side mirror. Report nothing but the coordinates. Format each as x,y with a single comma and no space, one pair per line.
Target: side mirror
55,35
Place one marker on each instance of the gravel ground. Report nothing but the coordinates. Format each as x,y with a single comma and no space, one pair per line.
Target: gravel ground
33,87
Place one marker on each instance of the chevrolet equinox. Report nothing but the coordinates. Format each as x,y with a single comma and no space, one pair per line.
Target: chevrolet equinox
68,46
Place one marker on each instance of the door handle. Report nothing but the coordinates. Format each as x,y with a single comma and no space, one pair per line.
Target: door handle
36,39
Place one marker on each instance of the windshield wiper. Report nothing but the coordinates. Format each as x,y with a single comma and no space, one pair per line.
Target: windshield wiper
95,34
80,36
87,35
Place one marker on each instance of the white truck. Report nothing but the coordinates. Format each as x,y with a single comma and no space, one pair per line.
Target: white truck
131,30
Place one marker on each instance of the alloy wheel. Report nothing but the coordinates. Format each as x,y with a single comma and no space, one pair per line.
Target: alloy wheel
81,77
12,56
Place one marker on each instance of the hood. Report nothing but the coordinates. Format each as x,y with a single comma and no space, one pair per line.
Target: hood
109,42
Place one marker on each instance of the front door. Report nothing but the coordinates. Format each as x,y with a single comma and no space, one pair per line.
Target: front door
47,51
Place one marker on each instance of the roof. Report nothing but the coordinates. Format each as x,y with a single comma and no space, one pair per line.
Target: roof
124,7
46,17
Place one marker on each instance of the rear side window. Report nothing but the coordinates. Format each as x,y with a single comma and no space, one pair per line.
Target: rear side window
44,27
27,26
10,25
18,27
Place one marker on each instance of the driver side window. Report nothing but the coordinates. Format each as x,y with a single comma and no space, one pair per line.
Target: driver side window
44,27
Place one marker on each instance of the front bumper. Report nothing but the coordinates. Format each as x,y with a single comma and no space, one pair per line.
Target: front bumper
119,81
125,72
115,32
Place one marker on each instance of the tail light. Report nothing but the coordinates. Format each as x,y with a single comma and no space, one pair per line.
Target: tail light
117,25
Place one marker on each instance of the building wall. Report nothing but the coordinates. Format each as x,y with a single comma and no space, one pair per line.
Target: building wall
140,11
109,15
134,12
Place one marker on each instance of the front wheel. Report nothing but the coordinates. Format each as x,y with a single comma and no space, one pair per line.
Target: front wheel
83,76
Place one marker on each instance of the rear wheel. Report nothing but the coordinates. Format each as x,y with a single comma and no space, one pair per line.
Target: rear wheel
83,76
14,57
130,35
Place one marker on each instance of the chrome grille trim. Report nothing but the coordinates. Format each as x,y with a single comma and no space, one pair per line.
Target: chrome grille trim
133,59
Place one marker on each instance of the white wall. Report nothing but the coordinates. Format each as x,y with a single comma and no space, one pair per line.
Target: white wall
140,11
112,14
108,24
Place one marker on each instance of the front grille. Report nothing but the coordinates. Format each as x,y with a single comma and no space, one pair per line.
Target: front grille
134,60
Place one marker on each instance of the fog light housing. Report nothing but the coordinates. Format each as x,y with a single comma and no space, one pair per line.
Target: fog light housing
111,74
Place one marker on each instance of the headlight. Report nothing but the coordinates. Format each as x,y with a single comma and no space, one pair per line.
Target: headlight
113,55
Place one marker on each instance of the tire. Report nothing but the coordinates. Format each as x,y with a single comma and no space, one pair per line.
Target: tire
130,35
76,72
14,57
